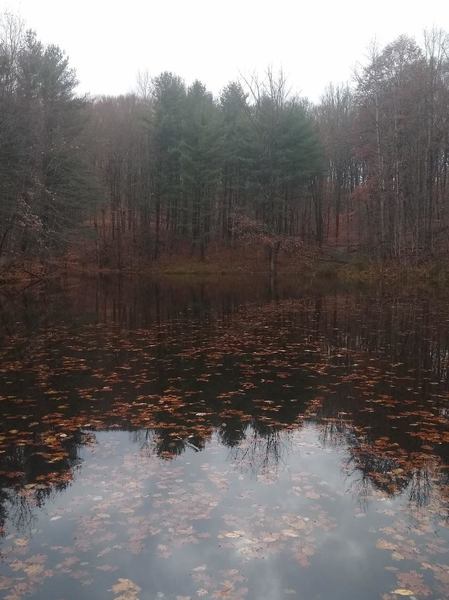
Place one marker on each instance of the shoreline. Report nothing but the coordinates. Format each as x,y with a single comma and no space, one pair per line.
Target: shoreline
432,274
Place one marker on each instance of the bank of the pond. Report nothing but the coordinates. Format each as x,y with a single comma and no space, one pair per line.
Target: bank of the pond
345,271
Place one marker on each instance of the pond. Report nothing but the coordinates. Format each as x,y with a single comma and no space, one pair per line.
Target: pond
240,439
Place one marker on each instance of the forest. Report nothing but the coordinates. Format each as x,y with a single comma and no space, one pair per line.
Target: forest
171,171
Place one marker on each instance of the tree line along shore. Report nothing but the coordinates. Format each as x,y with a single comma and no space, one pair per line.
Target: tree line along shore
256,178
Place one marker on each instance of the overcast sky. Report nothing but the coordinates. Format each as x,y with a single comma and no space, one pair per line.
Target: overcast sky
314,41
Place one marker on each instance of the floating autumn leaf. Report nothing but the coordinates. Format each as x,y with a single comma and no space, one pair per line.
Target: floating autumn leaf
385,545
33,570
233,534
415,581
127,590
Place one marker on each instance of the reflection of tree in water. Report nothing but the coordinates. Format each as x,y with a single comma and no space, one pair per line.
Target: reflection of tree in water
166,444
412,329
257,450
28,480
255,446
260,453
419,484
393,471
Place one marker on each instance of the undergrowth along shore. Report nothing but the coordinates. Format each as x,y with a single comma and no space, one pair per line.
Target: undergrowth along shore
362,272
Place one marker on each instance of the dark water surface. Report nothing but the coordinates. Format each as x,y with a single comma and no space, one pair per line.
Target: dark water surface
231,439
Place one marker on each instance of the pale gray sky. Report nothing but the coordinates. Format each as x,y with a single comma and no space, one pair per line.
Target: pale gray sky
315,41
